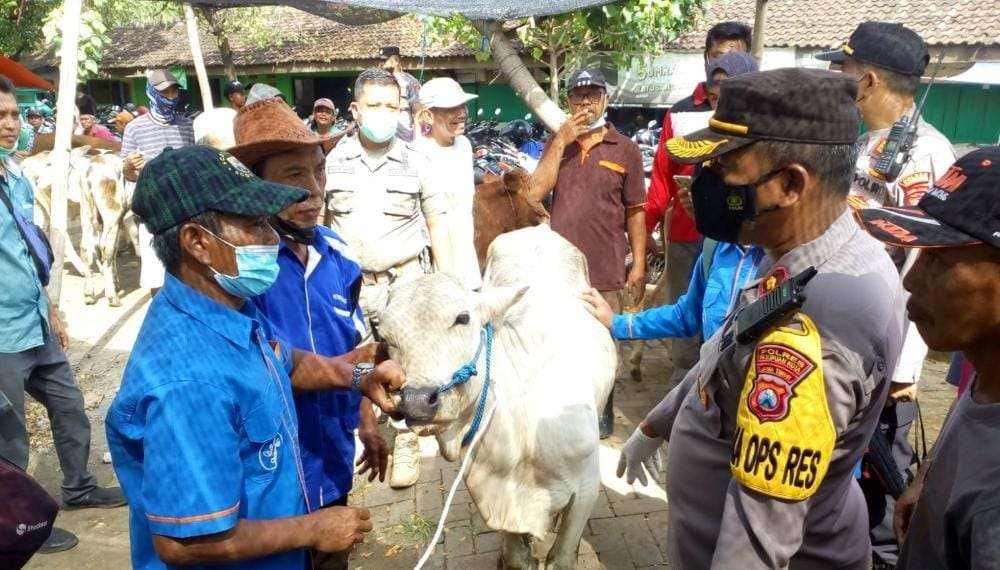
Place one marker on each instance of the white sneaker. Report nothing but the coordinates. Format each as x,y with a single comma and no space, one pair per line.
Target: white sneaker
405,461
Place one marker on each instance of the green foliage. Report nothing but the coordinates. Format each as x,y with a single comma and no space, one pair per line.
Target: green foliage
622,28
40,25
21,25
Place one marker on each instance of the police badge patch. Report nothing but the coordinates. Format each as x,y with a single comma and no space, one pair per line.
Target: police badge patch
778,369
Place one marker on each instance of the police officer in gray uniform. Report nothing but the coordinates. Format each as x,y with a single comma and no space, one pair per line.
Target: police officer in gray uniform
765,431
379,200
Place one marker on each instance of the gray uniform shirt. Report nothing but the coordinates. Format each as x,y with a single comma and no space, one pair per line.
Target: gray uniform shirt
380,204
957,520
714,520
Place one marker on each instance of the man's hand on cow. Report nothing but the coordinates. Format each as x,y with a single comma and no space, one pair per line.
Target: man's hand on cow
336,529
636,286
387,377
598,306
375,454
573,128
640,454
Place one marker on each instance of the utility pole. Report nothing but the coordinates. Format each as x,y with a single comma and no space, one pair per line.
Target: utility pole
758,31
65,114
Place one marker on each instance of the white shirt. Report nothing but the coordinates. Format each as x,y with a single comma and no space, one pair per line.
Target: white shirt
451,171
930,157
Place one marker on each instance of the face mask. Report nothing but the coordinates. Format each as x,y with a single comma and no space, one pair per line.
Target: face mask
5,152
256,269
720,209
161,107
379,126
293,232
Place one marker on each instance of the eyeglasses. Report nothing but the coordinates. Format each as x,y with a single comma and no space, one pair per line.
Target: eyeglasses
579,96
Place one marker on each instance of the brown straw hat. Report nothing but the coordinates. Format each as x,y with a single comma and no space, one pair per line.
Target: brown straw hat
270,127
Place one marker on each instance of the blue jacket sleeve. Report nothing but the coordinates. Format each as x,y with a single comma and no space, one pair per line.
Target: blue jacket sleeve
680,320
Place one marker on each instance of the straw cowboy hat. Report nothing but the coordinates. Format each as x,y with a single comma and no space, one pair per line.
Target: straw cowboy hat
268,127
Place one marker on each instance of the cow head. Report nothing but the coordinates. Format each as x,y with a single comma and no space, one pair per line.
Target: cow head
432,327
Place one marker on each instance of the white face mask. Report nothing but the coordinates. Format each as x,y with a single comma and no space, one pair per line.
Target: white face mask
379,125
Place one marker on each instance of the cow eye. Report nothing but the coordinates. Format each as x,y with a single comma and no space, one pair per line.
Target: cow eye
462,318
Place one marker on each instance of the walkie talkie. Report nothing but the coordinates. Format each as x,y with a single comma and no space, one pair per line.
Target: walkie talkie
757,317
896,151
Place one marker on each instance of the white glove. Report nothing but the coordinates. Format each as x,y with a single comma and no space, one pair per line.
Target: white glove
640,451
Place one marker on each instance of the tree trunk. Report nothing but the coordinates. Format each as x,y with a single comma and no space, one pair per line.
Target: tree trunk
221,41
199,61
520,78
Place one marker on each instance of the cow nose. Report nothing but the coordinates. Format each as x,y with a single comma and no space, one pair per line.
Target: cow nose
420,403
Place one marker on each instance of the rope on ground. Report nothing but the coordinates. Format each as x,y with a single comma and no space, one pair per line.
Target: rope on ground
454,486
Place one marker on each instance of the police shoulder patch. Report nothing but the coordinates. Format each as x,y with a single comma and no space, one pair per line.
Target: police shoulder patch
784,435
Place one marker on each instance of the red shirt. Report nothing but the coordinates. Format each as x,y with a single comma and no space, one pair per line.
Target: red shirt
663,188
592,192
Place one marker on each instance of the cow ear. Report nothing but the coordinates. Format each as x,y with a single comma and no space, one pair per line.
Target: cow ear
494,302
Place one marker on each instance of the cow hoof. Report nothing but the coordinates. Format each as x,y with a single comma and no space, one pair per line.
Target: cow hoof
89,299
114,303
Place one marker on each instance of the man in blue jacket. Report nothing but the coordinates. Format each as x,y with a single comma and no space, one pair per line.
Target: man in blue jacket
720,271
313,305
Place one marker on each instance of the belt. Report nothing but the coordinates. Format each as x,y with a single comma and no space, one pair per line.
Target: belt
386,276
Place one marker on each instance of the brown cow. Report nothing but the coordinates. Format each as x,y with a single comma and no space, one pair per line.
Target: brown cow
502,205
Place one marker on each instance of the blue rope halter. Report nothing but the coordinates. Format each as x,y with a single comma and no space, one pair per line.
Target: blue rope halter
466,372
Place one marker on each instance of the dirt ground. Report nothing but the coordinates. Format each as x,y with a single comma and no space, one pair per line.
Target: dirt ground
626,531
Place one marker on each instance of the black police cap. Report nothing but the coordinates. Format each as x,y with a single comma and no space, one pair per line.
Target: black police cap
887,45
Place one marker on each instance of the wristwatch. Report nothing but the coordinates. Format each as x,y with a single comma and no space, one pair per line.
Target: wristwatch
360,371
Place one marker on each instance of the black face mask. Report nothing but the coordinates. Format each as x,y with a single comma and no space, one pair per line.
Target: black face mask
720,209
293,232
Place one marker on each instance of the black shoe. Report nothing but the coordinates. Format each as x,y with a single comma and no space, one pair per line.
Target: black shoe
58,541
606,423
99,498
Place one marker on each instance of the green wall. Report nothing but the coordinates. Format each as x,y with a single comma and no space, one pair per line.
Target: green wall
966,114
493,97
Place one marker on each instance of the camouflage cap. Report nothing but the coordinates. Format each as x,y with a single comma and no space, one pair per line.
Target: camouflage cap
182,183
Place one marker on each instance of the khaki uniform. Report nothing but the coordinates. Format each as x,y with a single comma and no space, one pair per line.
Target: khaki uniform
764,436
380,205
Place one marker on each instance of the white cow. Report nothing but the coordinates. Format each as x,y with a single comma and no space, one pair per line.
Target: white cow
552,369
97,184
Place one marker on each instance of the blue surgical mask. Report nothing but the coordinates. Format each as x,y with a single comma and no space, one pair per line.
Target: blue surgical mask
379,126
256,269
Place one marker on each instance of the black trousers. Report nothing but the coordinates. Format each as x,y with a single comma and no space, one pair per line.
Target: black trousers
45,373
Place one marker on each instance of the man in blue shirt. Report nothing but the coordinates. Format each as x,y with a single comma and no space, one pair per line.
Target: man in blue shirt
203,432
314,302
720,272
32,357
